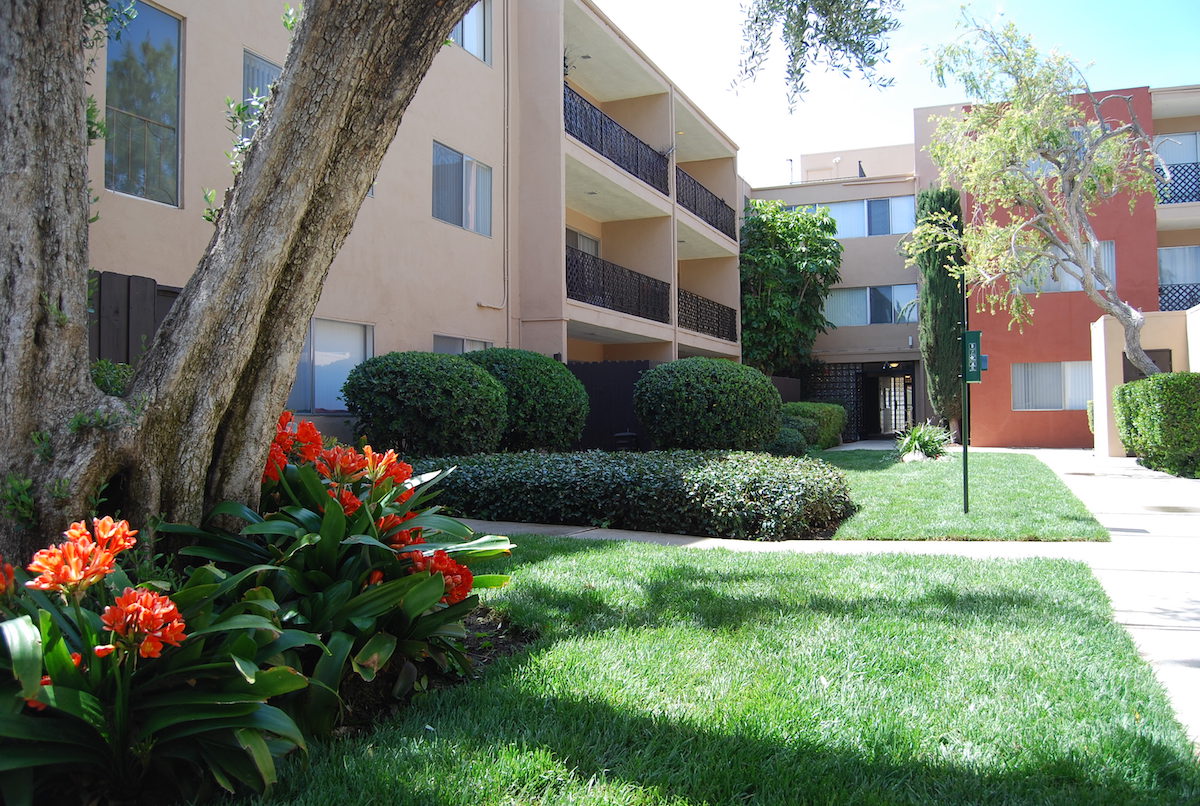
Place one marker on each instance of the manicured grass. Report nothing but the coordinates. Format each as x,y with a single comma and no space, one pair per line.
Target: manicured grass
668,676
1012,497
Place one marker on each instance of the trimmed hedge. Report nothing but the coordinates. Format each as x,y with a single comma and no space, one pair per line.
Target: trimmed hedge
810,429
751,496
547,404
830,417
423,404
707,403
790,442
1158,419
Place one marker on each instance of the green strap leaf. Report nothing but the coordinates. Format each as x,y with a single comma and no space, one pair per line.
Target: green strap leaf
492,580
244,621
424,596
236,510
18,757
254,745
374,654
24,642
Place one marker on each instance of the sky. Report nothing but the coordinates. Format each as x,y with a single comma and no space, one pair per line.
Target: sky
697,44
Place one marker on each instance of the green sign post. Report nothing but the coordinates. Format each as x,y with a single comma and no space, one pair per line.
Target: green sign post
972,358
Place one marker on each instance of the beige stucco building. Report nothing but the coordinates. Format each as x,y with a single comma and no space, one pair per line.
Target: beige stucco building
549,189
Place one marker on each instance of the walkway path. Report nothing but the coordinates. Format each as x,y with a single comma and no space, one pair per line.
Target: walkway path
1150,570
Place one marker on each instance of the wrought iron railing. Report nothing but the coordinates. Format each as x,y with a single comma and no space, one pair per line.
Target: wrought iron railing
598,282
704,203
1178,297
703,315
1184,185
596,130
141,156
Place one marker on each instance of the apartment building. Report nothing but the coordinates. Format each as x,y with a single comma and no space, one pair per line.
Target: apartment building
549,189
1040,375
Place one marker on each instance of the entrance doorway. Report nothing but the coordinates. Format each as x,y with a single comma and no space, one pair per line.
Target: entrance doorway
887,397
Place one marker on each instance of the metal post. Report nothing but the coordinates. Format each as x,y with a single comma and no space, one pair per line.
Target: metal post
965,434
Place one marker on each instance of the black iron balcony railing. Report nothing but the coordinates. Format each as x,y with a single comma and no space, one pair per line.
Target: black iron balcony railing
1177,297
704,203
598,282
1184,185
602,134
705,316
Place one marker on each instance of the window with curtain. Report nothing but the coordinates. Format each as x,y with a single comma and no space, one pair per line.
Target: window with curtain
1178,149
584,243
1051,386
258,74
330,351
1178,265
141,148
474,31
873,305
891,216
1040,278
462,190
454,345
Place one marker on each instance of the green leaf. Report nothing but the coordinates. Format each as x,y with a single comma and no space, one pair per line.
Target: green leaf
236,510
252,742
195,718
290,639
424,596
16,787
52,730
430,623
80,704
248,669
491,580
310,520
24,643
16,757
274,527
374,654
378,599
366,540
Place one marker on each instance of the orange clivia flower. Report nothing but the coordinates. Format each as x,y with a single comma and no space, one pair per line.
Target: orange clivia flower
376,465
146,620
375,577
388,525
38,705
7,584
459,579
81,561
104,650
341,464
349,501
309,441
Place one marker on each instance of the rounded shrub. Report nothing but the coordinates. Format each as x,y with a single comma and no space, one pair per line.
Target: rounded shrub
703,403
425,404
790,442
547,404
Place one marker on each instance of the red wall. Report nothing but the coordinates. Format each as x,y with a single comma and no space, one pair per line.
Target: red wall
1060,329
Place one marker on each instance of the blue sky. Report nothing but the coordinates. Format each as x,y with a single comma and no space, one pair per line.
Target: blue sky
697,42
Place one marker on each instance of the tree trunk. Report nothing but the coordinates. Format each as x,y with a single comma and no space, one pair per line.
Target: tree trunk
201,408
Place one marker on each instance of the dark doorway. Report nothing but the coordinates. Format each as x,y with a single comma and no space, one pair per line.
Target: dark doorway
887,397
1161,359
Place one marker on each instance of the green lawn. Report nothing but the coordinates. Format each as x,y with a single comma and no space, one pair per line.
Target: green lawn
669,676
1012,497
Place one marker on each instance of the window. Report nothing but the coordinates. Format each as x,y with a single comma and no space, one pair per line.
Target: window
258,75
874,305
1064,282
452,345
584,243
1178,265
1178,149
330,351
474,31
141,149
462,190
1051,386
863,217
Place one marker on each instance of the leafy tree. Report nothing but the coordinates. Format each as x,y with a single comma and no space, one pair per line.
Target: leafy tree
1038,153
940,305
842,35
789,260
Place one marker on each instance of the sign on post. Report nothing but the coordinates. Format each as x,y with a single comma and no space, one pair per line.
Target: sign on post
972,358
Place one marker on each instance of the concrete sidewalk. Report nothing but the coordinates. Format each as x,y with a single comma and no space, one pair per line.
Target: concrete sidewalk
1150,570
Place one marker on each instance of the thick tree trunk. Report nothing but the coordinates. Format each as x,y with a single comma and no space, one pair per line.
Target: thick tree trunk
196,423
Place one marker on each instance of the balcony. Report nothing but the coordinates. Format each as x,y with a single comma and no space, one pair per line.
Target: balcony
1170,297
598,282
702,315
596,130
704,203
1184,185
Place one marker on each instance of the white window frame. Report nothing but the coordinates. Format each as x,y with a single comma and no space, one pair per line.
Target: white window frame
305,384
1071,378
478,186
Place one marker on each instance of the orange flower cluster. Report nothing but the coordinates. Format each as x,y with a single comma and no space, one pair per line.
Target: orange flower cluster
303,444
7,584
38,705
81,560
459,579
143,619
341,464
387,526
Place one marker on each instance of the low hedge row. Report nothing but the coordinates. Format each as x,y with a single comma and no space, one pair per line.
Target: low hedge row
1158,419
830,417
751,496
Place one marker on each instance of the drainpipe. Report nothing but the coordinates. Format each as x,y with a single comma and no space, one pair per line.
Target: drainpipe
507,240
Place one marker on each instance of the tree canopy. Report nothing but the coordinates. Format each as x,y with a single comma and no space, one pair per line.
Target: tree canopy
1038,154
789,260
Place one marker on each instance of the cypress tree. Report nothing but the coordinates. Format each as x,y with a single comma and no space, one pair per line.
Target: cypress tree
940,312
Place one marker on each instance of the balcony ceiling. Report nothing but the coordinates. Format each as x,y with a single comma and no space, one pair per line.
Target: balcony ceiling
698,141
601,63
1175,102
599,197
586,331
695,245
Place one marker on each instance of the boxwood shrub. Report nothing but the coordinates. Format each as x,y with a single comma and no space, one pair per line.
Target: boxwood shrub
790,442
751,496
704,403
1158,419
810,429
830,417
547,404
423,404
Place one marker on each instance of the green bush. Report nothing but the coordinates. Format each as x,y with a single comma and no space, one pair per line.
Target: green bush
750,496
547,404
790,442
111,377
926,439
425,403
1158,419
707,403
830,417
809,428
